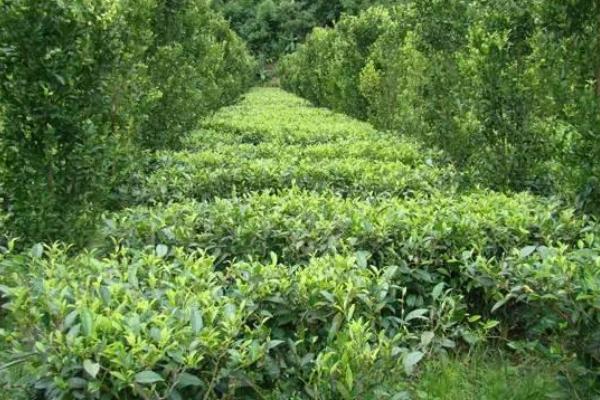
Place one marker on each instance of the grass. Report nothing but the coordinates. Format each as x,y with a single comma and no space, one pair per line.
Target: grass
488,377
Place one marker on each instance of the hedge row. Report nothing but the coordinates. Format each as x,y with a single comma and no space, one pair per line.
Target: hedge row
509,90
274,140
187,175
163,324
273,115
381,149
296,225
85,85
167,322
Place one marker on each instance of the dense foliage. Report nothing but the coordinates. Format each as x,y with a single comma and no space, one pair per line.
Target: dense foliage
237,151
83,84
442,248
310,289
275,27
507,89
196,64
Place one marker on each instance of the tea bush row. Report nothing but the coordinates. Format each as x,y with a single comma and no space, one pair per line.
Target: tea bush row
507,89
551,293
85,85
381,149
269,114
273,140
527,262
430,232
186,175
292,293
164,322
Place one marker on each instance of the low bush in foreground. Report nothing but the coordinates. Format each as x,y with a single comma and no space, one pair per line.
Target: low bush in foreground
165,323
161,323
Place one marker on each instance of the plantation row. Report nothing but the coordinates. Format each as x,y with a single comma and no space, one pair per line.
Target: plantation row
159,243
188,176
431,232
87,86
312,288
164,322
237,152
509,90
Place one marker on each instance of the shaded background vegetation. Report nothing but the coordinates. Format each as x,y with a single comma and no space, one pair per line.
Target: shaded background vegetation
276,27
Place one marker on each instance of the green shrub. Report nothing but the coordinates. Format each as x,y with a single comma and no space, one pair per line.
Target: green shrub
552,293
376,149
164,321
325,69
82,83
269,114
272,140
506,89
430,232
298,294
182,176
523,262
164,324
196,64
274,27
59,145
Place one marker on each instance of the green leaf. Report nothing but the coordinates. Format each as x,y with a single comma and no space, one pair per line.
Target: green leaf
230,311
437,290
274,343
335,326
404,395
410,360
132,276
186,380
196,320
500,303
349,377
37,251
91,368
175,395
328,296
346,395
105,294
162,250
70,319
148,377
87,323
427,337
416,314
474,318
77,383
527,251
362,258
